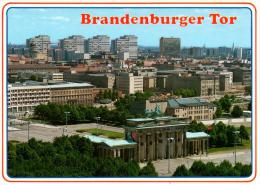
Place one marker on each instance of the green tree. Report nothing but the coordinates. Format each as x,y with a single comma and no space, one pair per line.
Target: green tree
194,126
148,170
185,92
243,134
231,136
225,103
181,171
225,169
218,112
237,112
33,77
132,169
197,168
249,107
246,170
248,90
210,170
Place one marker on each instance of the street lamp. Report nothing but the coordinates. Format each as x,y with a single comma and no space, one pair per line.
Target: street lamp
66,128
28,129
171,139
97,118
235,145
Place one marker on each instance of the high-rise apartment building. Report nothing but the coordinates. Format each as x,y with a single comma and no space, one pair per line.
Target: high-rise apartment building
126,43
170,47
97,44
72,43
38,45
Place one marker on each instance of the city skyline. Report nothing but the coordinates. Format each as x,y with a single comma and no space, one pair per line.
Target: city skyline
140,45
54,21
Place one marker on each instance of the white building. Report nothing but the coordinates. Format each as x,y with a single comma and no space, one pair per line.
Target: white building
128,83
26,96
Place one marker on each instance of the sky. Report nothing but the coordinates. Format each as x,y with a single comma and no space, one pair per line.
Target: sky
60,23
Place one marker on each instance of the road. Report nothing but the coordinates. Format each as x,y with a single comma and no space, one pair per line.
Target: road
48,132
161,166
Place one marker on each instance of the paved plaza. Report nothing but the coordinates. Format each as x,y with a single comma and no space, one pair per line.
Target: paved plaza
19,132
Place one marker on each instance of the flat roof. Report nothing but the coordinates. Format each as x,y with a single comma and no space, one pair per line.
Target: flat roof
164,118
109,142
175,103
195,135
153,125
50,86
70,84
140,119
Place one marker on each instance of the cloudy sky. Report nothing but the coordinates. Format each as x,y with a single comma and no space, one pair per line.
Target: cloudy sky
59,23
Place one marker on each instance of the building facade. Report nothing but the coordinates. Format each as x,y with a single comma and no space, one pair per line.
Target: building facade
25,97
74,42
128,83
15,69
191,108
97,44
170,47
71,45
126,43
38,45
204,84
72,93
241,75
148,139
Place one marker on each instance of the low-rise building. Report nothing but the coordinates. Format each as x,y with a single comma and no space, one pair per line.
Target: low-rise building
102,80
72,93
192,108
148,106
25,97
32,68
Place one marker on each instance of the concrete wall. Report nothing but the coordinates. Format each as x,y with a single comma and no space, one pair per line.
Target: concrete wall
227,121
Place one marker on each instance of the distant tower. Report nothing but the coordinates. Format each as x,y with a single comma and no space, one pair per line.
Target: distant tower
233,49
204,51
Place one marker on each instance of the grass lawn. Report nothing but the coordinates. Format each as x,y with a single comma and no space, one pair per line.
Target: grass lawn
246,145
107,133
248,129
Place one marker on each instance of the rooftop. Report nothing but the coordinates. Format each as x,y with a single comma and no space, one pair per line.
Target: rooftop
195,135
175,103
140,120
34,84
109,142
